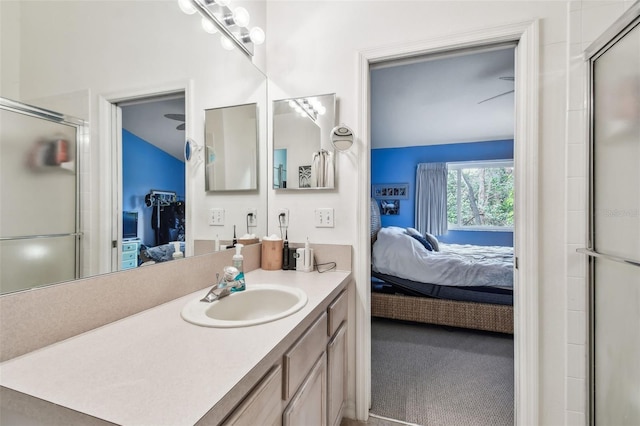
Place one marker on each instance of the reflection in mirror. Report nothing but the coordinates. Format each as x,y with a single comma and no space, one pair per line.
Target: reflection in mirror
341,138
61,61
302,155
231,148
39,223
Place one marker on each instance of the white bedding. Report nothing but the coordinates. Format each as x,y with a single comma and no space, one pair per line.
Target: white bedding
397,253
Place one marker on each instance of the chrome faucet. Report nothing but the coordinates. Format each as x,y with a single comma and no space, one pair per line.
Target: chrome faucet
217,292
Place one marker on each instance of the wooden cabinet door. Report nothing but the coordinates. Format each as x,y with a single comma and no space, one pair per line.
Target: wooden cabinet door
309,406
263,405
336,375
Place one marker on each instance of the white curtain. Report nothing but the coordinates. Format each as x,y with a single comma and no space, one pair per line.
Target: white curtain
322,171
431,198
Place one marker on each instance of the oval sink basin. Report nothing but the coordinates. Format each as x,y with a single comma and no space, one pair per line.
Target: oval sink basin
256,305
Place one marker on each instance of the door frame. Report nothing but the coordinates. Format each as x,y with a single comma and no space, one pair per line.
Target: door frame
110,148
526,304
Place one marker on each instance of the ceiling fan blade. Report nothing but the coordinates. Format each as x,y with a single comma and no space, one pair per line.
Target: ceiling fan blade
179,117
496,96
181,126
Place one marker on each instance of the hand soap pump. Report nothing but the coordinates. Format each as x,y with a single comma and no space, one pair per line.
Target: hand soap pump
177,253
238,260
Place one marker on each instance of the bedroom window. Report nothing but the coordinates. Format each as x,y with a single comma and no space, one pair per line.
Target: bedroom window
480,195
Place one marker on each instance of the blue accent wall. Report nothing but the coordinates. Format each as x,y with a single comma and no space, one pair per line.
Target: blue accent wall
398,165
145,167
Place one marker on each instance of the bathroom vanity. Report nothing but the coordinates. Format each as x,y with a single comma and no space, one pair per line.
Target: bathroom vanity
156,368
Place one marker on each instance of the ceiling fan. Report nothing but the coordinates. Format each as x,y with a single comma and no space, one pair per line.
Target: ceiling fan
501,94
177,117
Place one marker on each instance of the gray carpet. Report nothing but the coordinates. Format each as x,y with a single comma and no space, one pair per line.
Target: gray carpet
432,375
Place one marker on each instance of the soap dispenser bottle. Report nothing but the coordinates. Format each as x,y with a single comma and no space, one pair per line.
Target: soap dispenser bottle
177,253
238,261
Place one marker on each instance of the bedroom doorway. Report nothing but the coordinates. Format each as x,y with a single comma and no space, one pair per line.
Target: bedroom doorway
458,111
526,222
150,194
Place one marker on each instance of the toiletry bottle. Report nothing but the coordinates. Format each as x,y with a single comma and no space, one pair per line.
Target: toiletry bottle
177,254
238,260
308,257
285,253
216,244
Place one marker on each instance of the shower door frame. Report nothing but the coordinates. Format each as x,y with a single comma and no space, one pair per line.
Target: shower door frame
610,37
81,130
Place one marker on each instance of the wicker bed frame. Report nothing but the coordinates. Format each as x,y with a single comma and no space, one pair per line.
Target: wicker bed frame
478,316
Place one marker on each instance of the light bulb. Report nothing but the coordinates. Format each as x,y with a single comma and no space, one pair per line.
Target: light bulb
187,7
292,103
322,110
257,35
226,43
241,16
208,26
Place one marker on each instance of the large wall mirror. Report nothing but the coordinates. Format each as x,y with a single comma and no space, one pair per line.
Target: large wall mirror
302,154
231,148
85,59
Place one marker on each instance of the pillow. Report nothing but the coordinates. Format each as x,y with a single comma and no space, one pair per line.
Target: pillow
423,241
433,241
375,220
413,231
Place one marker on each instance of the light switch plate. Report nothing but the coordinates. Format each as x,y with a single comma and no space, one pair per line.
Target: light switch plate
324,218
216,217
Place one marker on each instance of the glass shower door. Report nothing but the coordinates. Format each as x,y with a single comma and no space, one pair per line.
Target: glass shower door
615,229
39,209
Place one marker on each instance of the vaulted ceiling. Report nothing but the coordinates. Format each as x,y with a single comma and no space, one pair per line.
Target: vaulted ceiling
439,99
147,121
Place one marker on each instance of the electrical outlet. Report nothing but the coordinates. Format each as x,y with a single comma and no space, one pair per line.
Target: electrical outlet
216,217
252,217
324,218
283,220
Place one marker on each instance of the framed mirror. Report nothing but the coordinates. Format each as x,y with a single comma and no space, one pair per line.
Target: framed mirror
302,154
231,144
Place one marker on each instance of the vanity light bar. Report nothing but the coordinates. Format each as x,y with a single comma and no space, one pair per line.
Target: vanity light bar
231,23
309,106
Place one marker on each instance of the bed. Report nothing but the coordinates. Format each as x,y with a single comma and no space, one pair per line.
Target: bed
460,286
162,253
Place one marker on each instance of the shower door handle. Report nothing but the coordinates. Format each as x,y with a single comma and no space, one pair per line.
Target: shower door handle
593,253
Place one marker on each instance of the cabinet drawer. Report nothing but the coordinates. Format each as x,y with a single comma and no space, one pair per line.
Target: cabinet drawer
302,355
263,405
129,255
337,312
128,264
129,246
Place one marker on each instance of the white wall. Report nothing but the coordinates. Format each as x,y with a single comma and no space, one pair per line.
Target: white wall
312,48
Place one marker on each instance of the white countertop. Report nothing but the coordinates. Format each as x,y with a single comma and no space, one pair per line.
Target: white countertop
154,367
